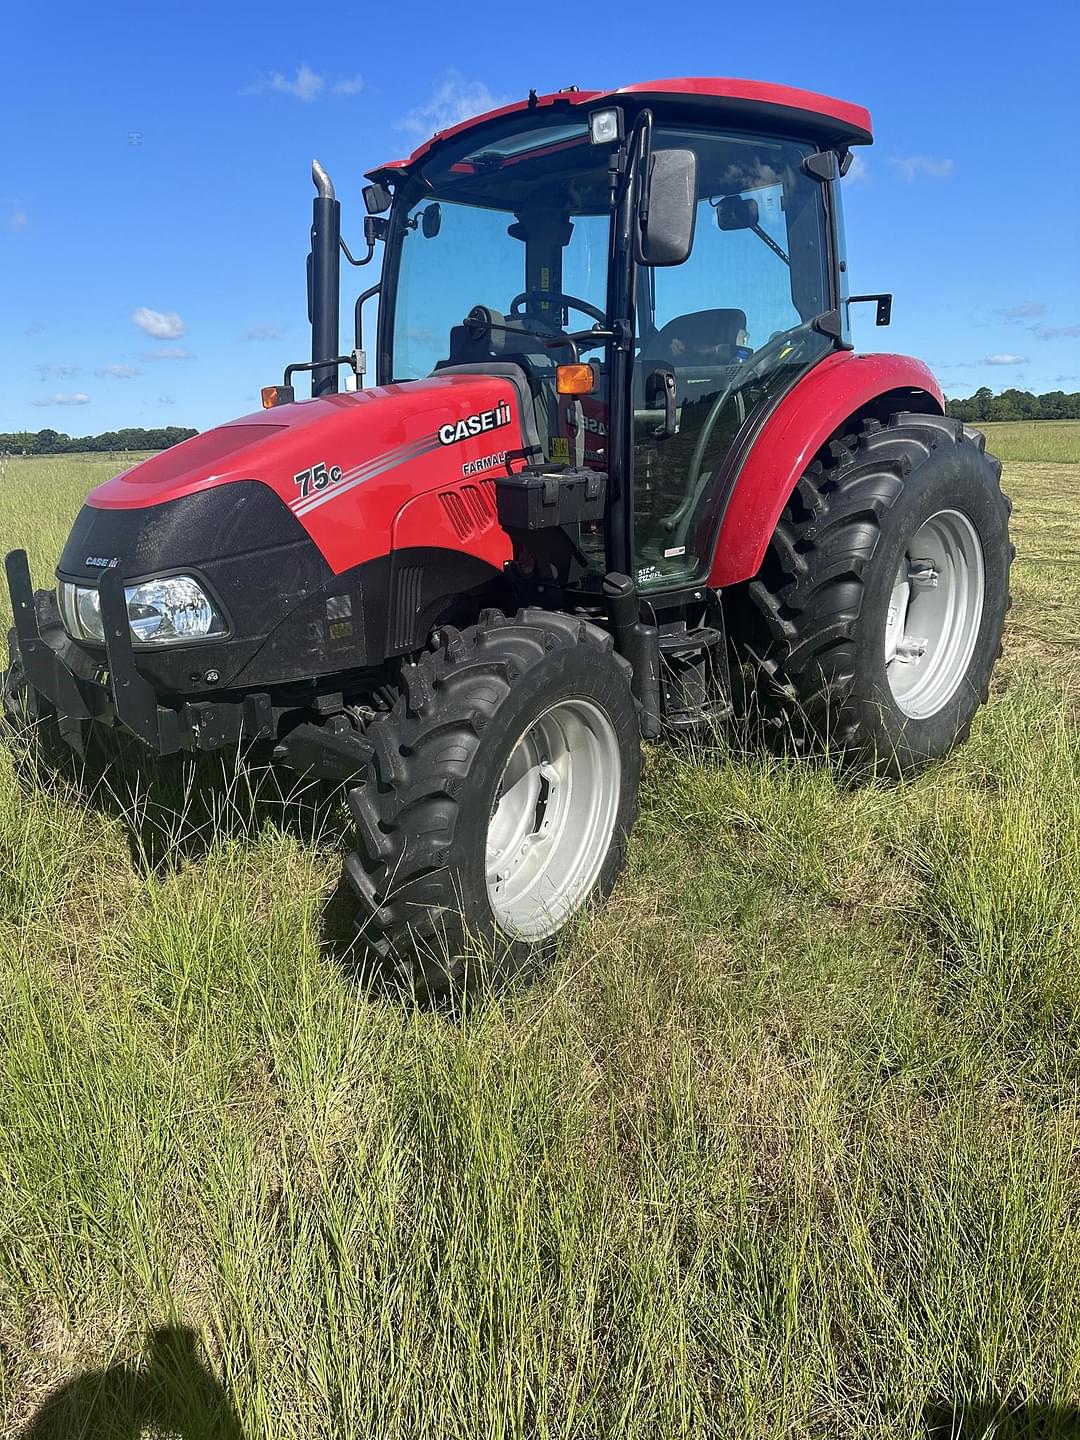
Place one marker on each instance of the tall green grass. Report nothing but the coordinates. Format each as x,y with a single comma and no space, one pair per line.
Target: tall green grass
1057,441
785,1144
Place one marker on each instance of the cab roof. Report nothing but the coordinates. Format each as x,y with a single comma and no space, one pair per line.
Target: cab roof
739,101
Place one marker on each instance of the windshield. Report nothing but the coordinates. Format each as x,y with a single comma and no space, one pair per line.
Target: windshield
474,261
516,221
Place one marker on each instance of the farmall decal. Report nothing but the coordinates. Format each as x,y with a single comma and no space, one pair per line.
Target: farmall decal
486,462
475,424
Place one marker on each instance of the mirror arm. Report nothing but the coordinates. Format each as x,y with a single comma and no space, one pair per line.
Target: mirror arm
351,258
358,321
883,303
355,361
645,120
628,167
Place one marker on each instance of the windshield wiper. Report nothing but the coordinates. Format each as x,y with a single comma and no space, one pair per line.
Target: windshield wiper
771,243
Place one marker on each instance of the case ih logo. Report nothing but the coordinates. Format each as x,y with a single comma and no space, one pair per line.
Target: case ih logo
475,424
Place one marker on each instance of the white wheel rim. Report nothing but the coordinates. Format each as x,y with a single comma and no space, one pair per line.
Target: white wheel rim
553,818
934,614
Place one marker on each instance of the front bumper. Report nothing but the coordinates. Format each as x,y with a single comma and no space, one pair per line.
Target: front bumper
113,692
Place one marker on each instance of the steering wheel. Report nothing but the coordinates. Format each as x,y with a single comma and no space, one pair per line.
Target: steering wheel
570,301
759,361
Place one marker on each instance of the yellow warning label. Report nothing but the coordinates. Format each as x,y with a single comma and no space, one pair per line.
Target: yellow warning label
560,448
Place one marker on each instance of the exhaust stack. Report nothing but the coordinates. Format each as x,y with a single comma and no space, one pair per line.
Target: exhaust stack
324,277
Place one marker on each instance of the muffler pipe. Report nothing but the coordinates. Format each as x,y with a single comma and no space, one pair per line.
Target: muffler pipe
324,279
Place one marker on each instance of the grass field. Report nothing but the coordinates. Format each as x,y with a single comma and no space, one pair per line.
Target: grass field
1054,440
785,1145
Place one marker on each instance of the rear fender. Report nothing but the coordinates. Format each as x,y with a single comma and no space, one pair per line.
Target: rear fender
842,386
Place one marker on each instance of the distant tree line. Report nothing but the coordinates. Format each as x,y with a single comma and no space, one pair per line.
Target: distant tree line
54,442
1016,405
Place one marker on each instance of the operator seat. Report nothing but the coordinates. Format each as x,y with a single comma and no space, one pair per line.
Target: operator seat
701,341
704,337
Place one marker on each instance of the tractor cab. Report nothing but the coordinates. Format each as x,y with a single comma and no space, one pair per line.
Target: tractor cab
523,242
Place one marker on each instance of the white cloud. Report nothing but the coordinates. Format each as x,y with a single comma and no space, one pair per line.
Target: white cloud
1025,310
168,352
1005,360
915,167
858,170
306,87
118,372
57,370
76,399
166,399
161,324
17,220
1055,332
262,332
456,99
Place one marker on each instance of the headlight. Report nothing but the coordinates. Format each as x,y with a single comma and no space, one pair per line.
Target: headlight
160,612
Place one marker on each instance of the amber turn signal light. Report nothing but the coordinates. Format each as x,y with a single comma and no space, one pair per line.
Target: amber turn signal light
277,395
575,379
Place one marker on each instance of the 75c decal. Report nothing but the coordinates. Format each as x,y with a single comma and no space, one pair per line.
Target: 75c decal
317,477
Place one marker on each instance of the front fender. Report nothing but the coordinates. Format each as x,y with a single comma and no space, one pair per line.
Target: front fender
816,408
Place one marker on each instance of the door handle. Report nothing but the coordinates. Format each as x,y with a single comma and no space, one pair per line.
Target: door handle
662,383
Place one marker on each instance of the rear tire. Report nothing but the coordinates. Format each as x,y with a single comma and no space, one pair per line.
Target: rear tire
831,629
513,751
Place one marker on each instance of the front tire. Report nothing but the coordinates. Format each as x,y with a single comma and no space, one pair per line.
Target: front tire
876,620
501,792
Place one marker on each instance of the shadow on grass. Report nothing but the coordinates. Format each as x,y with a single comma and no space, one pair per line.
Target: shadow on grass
173,809
1000,1420
171,1391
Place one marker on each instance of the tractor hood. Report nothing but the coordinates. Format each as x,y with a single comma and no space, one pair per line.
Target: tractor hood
326,531
343,466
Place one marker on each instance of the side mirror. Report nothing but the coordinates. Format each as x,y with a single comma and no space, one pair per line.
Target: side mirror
377,199
431,220
666,233
735,213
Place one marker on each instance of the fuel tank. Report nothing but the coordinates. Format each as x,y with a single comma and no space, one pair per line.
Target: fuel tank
328,531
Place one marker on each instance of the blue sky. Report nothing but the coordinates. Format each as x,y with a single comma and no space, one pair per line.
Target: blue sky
155,199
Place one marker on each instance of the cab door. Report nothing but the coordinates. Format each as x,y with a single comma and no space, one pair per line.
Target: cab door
721,334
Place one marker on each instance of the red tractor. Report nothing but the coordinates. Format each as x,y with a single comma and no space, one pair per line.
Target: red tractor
619,451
